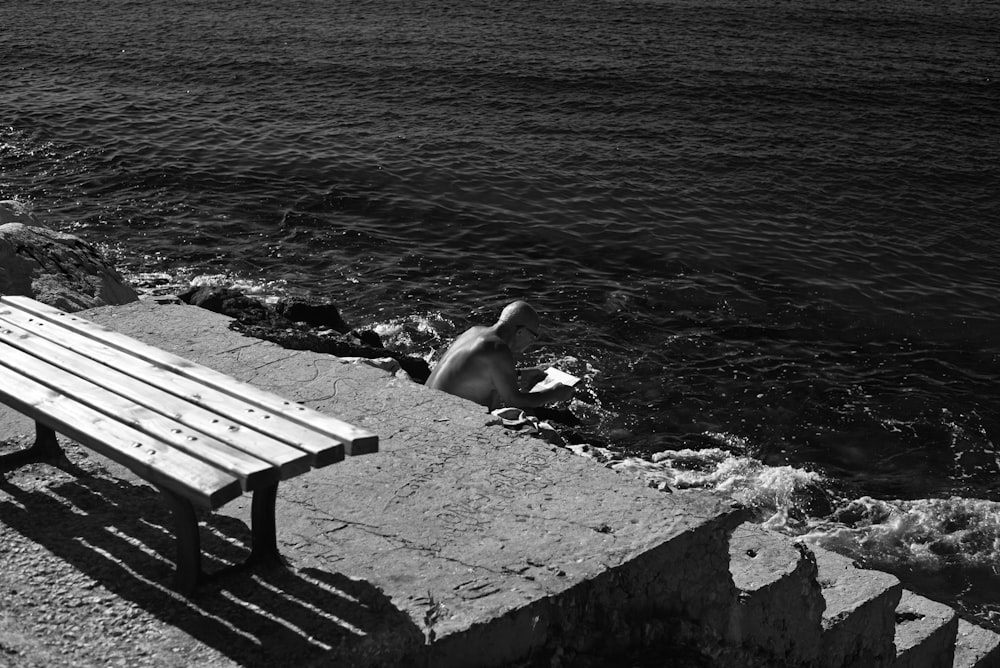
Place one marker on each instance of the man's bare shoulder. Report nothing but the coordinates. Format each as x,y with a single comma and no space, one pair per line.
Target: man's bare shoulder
491,345
480,339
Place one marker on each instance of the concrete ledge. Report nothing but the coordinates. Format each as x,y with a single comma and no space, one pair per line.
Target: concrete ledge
859,620
780,606
670,595
925,633
976,647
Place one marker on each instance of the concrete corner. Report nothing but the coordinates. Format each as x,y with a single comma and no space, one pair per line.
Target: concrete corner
859,620
976,647
780,606
925,633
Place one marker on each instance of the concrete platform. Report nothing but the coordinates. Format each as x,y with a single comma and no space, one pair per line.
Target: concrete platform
459,543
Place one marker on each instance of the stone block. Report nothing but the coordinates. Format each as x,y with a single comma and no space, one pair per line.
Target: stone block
976,647
780,606
668,597
925,633
860,617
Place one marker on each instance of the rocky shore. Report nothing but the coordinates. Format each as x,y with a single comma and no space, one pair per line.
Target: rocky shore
64,271
301,325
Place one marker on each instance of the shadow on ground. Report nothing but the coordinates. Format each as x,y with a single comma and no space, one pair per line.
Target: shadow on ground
121,536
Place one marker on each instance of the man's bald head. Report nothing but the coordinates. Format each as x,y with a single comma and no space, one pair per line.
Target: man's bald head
519,314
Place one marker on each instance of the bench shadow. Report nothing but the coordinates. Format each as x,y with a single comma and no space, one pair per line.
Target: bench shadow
121,535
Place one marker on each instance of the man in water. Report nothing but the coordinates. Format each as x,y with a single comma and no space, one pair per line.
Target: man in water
479,365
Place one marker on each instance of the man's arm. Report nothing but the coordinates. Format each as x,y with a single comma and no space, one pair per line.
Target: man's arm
506,383
528,377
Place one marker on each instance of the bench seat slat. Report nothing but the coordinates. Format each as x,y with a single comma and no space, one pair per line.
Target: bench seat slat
321,448
157,462
356,440
253,473
288,460
305,428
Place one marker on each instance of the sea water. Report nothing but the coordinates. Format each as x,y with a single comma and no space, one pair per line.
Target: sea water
764,232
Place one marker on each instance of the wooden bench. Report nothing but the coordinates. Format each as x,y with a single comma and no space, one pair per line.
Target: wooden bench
201,437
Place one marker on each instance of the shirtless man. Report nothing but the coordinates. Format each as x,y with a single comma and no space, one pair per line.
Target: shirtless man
479,365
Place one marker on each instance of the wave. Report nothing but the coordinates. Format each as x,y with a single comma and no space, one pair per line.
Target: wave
158,283
922,533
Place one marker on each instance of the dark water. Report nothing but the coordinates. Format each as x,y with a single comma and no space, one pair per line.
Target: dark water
765,232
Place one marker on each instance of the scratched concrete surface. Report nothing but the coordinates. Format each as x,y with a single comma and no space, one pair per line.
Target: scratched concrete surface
468,531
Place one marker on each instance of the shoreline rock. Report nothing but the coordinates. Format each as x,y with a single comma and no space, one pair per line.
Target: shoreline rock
14,211
301,325
56,268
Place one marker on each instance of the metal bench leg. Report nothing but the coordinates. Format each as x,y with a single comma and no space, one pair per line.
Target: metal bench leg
45,449
189,572
264,550
46,446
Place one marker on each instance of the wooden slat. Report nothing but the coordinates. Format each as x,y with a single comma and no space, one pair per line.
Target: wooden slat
322,447
252,473
150,459
288,461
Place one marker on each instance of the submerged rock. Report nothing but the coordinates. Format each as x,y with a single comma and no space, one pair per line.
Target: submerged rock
58,269
301,325
13,211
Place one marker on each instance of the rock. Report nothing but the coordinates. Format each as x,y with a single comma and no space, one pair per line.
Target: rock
301,325
13,211
229,302
317,314
367,337
58,269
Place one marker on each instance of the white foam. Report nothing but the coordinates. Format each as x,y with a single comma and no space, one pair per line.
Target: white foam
770,491
268,289
161,282
418,334
924,533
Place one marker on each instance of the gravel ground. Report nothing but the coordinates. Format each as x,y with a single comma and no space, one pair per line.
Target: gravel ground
87,562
